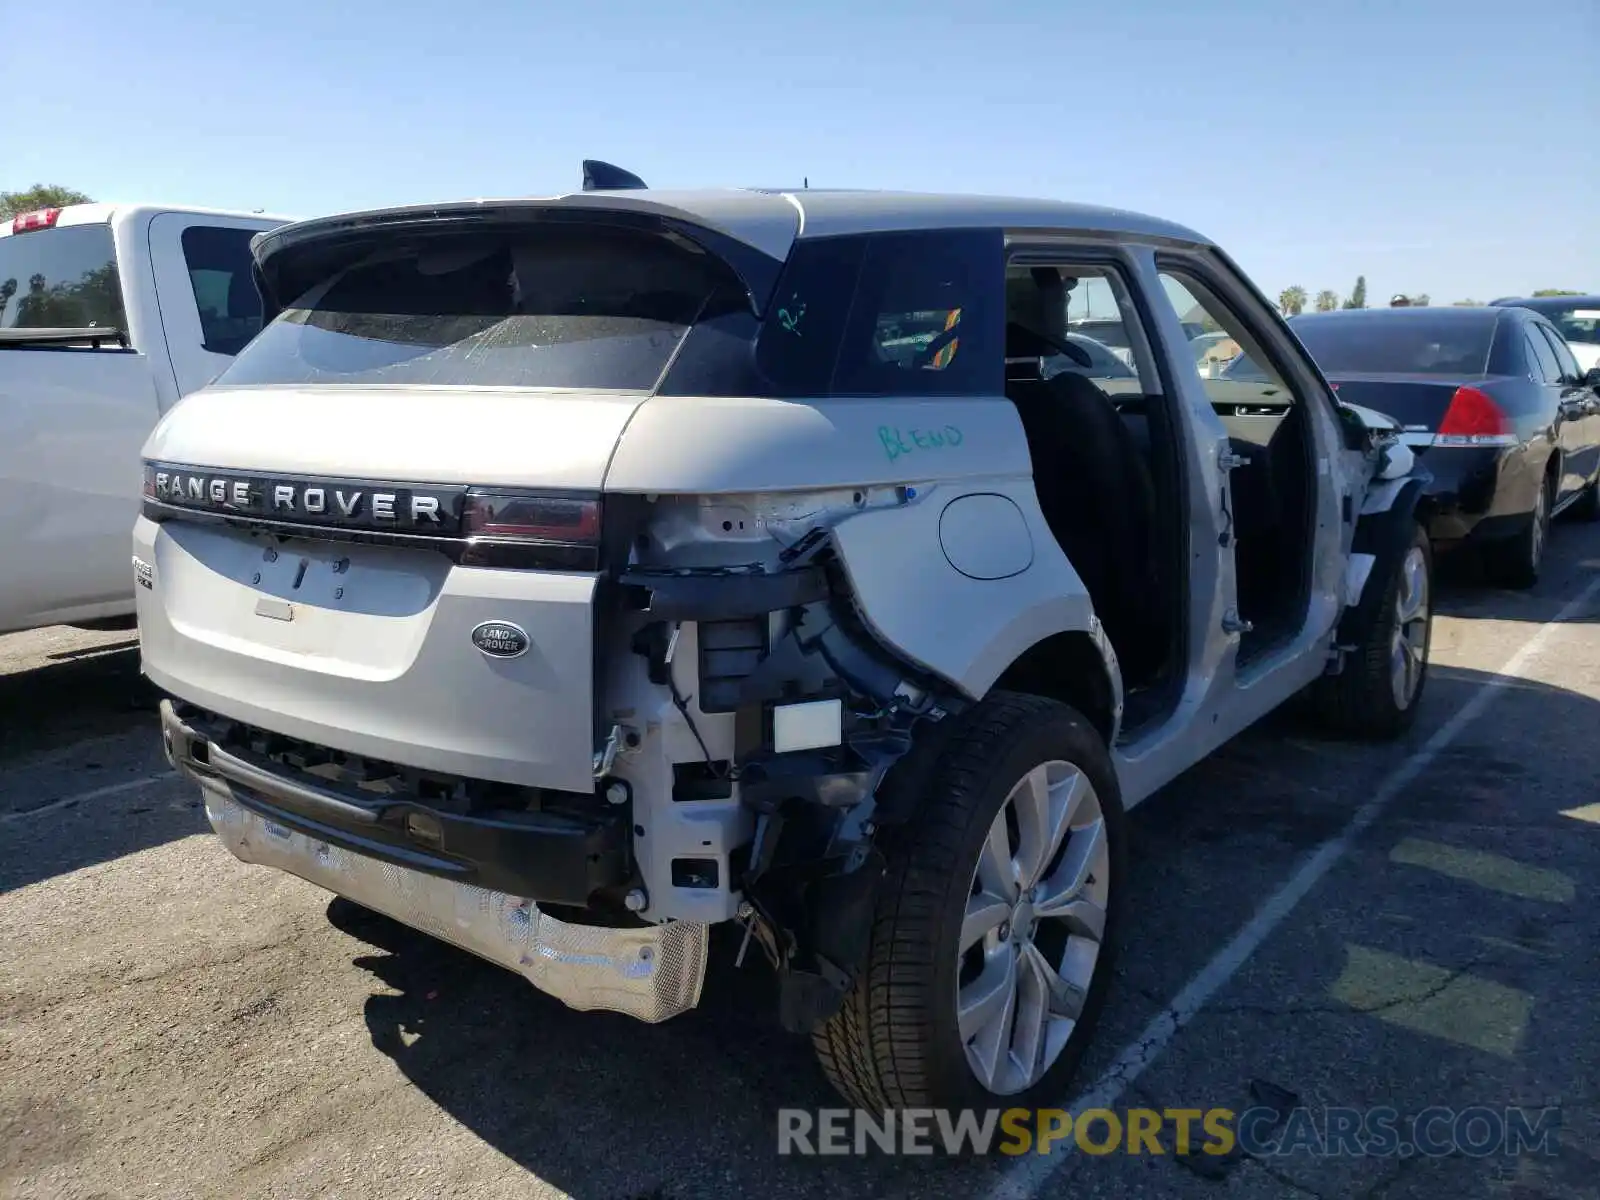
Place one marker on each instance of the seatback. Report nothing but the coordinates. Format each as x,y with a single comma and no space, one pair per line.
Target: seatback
1096,493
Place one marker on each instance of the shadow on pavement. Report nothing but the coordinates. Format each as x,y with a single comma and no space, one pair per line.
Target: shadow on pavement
1573,559
604,1108
89,692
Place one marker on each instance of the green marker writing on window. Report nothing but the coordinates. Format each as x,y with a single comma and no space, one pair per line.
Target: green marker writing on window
789,318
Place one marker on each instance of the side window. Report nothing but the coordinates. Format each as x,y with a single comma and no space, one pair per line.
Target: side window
63,278
1231,365
1079,319
889,315
1544,363
1567,364
218,262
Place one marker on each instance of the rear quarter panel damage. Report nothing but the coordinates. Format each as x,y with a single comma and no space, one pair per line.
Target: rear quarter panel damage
963,629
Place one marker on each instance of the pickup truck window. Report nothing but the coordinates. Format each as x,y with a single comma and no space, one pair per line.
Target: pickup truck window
60,278
218,262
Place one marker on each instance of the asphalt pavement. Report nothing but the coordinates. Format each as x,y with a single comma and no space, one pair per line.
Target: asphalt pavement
1315,924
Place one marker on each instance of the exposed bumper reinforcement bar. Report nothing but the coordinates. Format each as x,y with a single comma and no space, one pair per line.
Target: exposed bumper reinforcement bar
552,856
649,973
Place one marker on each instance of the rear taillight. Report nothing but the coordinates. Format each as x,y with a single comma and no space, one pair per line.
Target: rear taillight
1473,419
42,218
518,529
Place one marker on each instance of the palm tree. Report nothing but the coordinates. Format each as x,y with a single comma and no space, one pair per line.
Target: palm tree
1327,300
1292,301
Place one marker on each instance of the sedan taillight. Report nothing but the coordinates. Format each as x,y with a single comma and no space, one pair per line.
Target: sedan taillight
1474,419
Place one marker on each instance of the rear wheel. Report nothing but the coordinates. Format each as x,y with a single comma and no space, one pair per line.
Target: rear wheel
1377,693
1515,561
996,922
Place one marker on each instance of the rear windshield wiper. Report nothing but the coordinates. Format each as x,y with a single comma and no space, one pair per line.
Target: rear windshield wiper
92,334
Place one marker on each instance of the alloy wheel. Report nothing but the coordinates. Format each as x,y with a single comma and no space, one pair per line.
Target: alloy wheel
1033,928
1541,525
1409,647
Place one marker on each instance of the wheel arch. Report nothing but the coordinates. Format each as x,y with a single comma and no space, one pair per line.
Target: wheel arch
1078,667
1381,533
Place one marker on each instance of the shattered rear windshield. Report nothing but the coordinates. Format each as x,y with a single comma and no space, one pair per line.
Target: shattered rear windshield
593,307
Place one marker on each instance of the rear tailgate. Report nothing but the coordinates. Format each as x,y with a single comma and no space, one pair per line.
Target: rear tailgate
261,607
370,650
379,530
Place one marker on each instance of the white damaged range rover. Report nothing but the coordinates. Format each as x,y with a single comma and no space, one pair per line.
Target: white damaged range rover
565,576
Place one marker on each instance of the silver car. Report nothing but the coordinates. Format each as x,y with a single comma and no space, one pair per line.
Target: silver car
566,576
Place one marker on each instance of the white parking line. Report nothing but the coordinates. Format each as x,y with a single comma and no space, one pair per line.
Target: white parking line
1028,1177
98,793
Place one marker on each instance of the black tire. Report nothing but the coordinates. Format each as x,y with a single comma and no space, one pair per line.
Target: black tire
1514,562
895,1043
1361,700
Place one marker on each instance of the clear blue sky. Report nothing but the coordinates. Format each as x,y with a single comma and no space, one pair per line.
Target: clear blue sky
1446,146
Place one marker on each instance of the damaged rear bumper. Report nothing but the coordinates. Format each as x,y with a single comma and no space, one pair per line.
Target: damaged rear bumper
650,972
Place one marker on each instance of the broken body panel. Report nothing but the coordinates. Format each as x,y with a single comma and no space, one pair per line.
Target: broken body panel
857,568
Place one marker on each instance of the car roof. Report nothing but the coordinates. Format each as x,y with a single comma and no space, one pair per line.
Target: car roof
1547,304
1464,315
105,213
771,220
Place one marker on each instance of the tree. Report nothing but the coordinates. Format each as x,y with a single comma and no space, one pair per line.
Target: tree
1421,300
1358,294
1292,301
1466,304
40,195
1556,292
1327,300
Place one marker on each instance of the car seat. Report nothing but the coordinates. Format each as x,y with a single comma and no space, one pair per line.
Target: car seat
1097,495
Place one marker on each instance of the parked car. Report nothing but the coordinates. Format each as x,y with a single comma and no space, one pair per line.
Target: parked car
1212,352
108,314
1577,317
566,576
1110,333
1102,362
1492,400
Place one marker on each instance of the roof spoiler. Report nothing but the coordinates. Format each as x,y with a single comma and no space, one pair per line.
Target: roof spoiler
604,177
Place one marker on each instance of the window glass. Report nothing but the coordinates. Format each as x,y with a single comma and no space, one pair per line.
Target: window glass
901,314
60,278
1417,341
923,318
218,261
1568,365
1579,325
590,306
1083,309
1226,358
1543,358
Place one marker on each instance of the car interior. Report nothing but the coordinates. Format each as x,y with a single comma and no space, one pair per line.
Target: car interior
1110,456
1271,489
1103,443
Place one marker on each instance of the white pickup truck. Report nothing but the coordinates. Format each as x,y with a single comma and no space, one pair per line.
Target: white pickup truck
108,315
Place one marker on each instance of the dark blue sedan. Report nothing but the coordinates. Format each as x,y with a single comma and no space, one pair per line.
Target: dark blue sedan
1495,403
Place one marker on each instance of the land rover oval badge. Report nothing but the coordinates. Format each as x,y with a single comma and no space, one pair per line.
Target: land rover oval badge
500,639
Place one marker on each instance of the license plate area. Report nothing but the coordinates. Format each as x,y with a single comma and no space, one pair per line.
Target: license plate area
359,579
